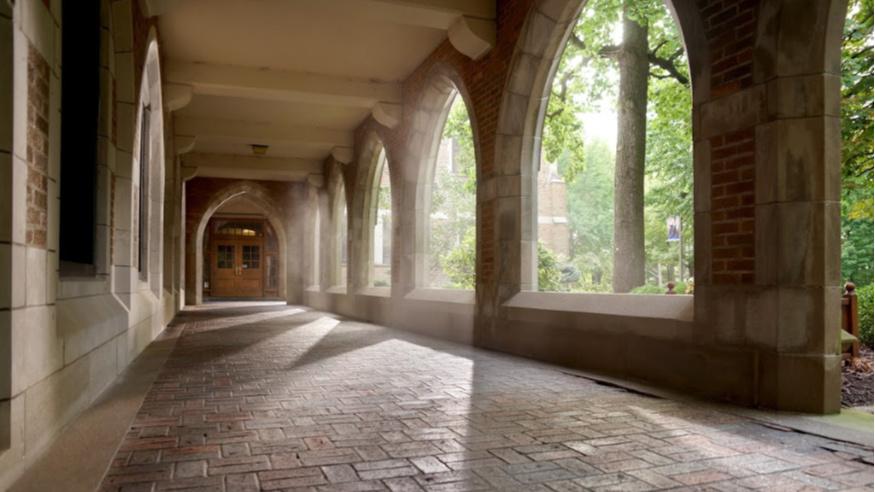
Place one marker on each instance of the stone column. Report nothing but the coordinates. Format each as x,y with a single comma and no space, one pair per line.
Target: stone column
798,186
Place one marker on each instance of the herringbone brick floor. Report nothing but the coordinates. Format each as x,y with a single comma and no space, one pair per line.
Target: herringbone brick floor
278,398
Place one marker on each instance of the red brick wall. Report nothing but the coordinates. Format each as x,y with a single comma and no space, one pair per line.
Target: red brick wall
730,27
37,148
732,207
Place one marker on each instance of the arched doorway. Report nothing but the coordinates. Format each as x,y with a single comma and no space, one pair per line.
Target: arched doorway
256,206
240,253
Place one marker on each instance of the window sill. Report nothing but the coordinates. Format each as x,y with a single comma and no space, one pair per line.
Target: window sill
78,272
455,296
73,287
674,307
337,289
376,291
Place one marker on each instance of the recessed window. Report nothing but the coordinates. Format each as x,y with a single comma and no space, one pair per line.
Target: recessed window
243,229
80,99
615,173
451,232
143,222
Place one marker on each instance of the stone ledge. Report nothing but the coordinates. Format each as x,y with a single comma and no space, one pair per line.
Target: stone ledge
674,307
455,296
371,291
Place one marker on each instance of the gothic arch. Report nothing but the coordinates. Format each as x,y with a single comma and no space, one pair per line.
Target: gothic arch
367,186
524,103
443,84
336,188
150,97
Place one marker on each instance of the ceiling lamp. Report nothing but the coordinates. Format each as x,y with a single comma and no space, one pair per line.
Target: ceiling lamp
259,149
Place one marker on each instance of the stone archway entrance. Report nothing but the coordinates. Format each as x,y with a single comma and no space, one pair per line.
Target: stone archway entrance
240,253
245,220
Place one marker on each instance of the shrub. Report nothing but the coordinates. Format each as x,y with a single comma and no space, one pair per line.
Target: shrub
864,306
549,274
458,264
679,288
649,289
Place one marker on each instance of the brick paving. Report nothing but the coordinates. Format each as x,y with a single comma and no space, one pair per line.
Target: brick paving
281,398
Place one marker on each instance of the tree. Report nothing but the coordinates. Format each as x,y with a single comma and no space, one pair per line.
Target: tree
857,141
631,57
459,263
453,203
592,67
549,273
591,217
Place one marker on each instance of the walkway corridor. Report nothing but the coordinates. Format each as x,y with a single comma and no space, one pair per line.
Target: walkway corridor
274,397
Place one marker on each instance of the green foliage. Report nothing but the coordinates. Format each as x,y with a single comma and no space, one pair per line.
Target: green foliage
459,263
591,218
864,306
549,273
857,144
679,288
453,206
857,107
856,236
458,128
585,83
649,289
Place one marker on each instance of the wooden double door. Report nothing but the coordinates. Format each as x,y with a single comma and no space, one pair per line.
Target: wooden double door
238,268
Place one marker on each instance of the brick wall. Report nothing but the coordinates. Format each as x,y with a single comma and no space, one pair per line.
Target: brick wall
730,27
732,207
200,192
37,148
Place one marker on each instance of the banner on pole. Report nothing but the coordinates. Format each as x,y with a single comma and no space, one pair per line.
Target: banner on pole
674,228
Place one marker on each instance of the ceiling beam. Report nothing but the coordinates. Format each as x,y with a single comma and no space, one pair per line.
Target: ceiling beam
470,24
276,85
262,133
435,14
250,167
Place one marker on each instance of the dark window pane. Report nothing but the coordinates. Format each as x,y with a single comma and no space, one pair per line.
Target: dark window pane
80,98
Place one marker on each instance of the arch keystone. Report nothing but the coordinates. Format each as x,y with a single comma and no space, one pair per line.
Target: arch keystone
472,37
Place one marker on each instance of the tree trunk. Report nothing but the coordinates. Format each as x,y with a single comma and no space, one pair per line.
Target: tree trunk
629,170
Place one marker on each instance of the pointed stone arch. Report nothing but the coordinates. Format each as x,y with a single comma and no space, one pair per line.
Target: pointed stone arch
128,213
338,194
369,170
443,84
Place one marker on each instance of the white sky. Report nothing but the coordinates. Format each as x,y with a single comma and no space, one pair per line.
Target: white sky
600,126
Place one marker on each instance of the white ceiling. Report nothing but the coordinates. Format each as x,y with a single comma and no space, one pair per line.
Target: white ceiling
304,36
298,75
